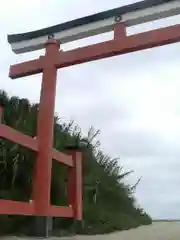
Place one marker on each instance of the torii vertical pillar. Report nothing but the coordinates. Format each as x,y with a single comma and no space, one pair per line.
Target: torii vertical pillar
41,188
43,165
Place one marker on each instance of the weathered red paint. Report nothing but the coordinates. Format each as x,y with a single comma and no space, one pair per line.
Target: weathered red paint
79,184
126,45
62,158
16,208
13,135
133,43
26,68
59,211
119,31
25,208
42,183
75,184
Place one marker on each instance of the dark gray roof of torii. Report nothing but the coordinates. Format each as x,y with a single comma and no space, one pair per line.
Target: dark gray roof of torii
85,20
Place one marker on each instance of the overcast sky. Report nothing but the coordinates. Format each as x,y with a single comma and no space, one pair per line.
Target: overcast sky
133,99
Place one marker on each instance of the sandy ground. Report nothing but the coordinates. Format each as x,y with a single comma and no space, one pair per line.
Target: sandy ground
157,231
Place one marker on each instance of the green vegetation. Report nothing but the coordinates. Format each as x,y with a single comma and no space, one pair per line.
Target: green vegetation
109,204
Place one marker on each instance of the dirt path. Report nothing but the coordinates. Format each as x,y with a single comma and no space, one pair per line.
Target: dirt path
157,231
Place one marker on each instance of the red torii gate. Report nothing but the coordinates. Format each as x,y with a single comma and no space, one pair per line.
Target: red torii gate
48,64
40,206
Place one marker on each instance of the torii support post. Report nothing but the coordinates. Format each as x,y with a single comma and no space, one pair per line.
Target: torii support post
42,183
41,191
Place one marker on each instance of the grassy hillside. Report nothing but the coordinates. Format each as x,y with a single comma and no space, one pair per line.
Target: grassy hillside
109,204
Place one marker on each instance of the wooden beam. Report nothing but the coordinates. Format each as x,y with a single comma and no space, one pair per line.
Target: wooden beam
16,208
120,46
17,137
26,68
133,43
24,208
62,158
60,211
75,185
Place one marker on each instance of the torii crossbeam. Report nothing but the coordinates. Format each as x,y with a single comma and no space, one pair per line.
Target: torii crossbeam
50,38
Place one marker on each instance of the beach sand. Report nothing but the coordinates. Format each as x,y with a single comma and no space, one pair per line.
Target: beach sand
156,231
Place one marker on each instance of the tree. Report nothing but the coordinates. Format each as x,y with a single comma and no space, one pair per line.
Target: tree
109,204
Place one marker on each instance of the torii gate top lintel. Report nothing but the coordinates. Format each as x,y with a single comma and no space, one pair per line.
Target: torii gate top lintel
132,14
